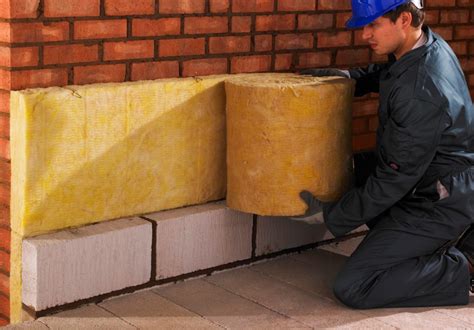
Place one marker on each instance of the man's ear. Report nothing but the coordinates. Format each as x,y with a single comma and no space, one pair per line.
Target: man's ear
405,19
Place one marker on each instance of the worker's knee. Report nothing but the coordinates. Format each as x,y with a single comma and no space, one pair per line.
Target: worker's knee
346,292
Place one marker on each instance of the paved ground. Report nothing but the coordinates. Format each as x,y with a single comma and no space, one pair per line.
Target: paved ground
289,292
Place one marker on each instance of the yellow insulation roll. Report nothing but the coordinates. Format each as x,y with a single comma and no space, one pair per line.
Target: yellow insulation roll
286,134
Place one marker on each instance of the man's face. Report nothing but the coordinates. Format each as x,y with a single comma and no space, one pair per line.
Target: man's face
384,36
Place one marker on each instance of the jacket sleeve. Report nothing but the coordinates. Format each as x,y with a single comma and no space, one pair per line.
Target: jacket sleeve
367,79
408,145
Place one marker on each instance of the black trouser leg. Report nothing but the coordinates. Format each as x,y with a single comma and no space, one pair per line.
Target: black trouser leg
396,268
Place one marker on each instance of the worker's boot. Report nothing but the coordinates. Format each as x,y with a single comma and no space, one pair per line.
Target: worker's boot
466,246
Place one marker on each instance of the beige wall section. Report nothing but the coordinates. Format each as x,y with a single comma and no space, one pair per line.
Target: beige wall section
83,154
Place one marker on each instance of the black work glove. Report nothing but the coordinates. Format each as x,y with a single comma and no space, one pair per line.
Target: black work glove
314,212
325,73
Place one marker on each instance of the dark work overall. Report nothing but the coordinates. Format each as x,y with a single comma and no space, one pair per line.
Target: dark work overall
419,196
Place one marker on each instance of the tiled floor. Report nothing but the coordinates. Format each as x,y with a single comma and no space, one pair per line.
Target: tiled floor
288,292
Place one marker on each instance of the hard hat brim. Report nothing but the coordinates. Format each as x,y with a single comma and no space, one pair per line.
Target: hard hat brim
357,22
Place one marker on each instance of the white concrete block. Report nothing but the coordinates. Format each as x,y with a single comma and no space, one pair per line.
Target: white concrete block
200,237
279,233
75,264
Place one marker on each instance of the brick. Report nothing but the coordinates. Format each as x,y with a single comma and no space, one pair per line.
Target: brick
5,79
358,40
204,67
363,142
38,78
5,215
432,17
464,32
5,174
454,16
263,42
364,108
5,149
5,193
334,5
39,32
76,53
252,6
334,39
279,233
471,48
283,62
373,124
127,7
24,56
103,73
4,261
459,47
441,3
241,24
342,18
5,32
219,6
446,32
247,64
20,9
100,29
4,284
124,50
5,239
4,125
352,57
275,22
360,125
155,70
465,3
296,5
155,27
85,261
4,321
229,44
69,8
210,235
294,41
181,47
182,6
4,101
202,25
467,64
314,60
4,305
315,22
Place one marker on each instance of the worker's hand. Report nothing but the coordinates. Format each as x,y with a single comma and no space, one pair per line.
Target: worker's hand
314,212
328,72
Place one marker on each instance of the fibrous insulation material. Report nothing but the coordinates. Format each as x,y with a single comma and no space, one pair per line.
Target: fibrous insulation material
285,136
84,154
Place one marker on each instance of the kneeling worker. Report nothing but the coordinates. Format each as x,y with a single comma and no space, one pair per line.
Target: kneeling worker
419,197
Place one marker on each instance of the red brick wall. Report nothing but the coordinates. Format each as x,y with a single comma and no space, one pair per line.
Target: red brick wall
58,42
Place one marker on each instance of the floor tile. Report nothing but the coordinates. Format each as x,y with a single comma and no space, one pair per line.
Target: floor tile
225,308
86,317
345,248
311,271
417,318
309,309
147,310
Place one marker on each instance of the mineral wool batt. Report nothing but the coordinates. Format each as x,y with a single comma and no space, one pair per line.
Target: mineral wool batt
286,134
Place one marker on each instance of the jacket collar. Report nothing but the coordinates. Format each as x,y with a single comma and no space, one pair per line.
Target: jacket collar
410,58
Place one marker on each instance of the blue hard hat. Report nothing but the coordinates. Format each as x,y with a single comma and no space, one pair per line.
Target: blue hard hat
367,11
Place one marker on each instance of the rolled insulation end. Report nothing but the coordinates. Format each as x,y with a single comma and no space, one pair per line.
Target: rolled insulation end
285,134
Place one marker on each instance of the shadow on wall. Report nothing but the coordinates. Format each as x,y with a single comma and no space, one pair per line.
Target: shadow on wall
114,151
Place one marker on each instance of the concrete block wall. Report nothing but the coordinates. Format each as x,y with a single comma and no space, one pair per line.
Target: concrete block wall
75,265
58,42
